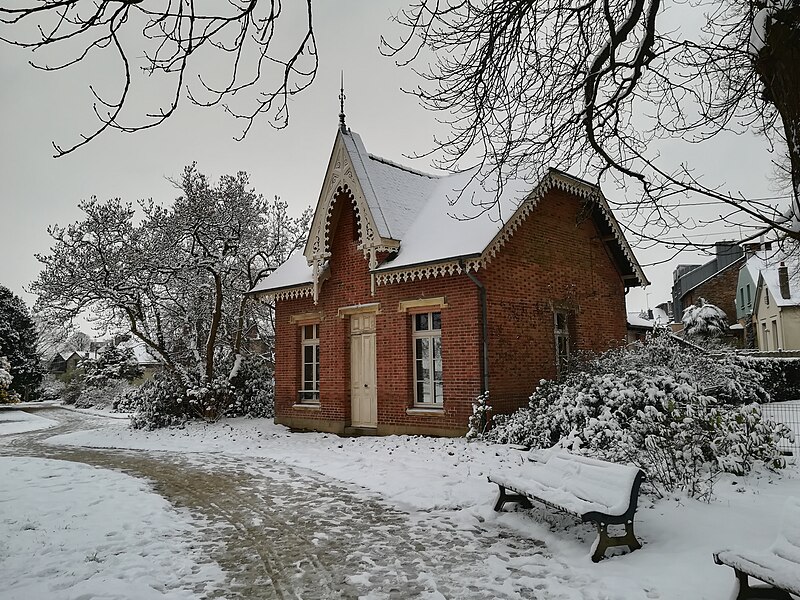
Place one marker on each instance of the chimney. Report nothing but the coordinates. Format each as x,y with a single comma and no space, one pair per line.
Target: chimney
783,281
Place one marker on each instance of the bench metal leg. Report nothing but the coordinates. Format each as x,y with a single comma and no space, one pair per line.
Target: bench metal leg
506,497
605,541
746,592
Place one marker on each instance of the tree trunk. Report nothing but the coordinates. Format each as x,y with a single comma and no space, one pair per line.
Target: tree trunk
216,317
778,66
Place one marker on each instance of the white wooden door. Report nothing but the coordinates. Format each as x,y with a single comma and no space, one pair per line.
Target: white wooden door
363,373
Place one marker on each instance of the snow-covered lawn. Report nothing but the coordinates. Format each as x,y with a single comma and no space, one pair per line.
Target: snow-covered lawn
17,421
71,531
424,474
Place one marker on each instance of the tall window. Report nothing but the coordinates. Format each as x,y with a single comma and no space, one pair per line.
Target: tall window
749,300
561,323
309,392
427,338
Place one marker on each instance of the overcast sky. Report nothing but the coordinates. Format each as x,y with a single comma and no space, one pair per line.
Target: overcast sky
37,108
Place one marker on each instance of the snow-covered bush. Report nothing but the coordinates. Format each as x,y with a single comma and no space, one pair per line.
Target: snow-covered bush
166,400
253,389
657,405
780,376
704,320
105,396
479,420
159,402
6,395
113,363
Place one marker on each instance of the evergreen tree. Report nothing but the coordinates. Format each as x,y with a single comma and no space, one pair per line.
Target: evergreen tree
18,344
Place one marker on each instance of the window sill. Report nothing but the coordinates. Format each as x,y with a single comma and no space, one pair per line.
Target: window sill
307,406
425,410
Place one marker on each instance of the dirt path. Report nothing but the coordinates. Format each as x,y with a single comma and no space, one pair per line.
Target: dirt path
281,532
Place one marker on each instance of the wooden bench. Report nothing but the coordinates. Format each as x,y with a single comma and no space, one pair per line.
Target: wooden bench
593,490
778,566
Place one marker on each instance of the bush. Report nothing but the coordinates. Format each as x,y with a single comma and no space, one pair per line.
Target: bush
781,376
159,402
165,400
681,416
253,389
113,364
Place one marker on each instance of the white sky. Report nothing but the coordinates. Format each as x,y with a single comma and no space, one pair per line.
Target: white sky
37,108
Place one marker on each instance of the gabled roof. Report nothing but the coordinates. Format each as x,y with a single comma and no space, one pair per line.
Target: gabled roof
412,215
767,263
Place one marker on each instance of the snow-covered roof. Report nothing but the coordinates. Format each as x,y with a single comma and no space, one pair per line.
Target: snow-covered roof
412,215
140,351
292,273
765,263
442,231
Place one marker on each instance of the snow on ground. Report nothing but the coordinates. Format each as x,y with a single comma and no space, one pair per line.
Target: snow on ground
18,421
426,474
71,531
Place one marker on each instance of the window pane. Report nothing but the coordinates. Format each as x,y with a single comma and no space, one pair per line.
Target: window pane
437,359
438,393
308,354
421,322
436,320
561,321
423,392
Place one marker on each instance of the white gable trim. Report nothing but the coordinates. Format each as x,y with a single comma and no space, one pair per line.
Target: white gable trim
341,178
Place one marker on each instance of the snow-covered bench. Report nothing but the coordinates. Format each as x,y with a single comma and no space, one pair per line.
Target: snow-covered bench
778,565
596,491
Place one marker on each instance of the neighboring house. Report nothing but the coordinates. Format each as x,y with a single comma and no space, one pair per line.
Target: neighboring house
757,255
63,363
776,315
397,315
716,281
149,364
643,322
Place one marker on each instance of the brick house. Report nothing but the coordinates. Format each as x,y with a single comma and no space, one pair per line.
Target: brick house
398,314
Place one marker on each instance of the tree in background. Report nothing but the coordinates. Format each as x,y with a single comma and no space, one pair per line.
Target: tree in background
704,320
176,280
589,86
18,344
5,382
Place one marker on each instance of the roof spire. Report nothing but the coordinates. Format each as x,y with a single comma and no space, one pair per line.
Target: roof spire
342,125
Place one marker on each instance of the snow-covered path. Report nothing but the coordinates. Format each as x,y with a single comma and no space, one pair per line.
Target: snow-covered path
287,532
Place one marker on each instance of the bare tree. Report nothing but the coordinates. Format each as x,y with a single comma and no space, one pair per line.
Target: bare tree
589,86
176,280
262,59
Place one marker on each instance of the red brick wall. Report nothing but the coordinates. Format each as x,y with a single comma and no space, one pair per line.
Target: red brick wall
720,290
349,284
549,260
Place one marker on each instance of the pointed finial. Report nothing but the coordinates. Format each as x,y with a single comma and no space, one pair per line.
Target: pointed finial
342,125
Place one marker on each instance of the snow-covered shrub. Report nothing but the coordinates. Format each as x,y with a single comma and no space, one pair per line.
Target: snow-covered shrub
704,320
166,399
6,395
105,396
781,376
657,405
479,420
159,402
253,389
113,363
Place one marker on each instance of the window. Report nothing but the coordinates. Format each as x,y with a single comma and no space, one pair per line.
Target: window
561,322
749,300
775,341
309,392
427,340
741,298
766,297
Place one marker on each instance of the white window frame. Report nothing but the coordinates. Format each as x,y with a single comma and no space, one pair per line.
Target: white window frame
436,387
309,389
561,333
